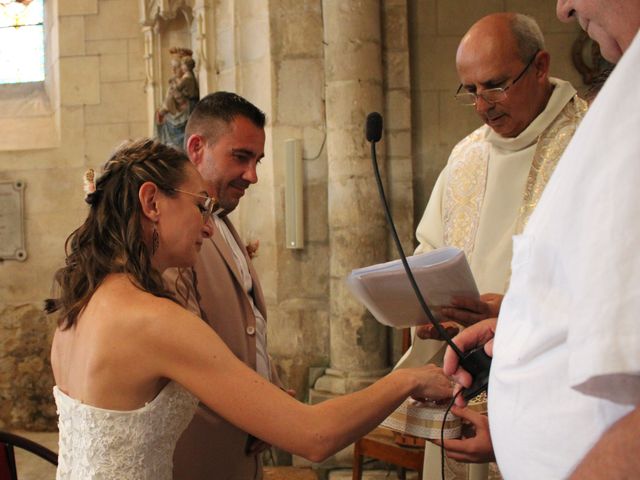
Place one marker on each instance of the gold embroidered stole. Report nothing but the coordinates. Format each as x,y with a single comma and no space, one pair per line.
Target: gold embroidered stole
464,194
551,146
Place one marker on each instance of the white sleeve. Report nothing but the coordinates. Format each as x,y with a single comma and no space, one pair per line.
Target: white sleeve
430,231
604,333
602,247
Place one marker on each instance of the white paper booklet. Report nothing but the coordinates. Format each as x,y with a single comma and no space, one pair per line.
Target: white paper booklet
386,292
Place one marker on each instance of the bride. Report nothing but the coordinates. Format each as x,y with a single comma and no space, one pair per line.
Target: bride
129,362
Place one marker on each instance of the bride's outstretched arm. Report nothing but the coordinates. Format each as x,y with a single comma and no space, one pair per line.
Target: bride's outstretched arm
186,350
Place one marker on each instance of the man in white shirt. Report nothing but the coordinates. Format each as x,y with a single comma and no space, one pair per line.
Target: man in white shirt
565,380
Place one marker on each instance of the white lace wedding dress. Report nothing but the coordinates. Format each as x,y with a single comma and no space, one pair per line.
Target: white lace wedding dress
99,444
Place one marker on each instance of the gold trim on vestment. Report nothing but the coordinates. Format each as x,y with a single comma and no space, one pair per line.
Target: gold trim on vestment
551,146
465,192
467,182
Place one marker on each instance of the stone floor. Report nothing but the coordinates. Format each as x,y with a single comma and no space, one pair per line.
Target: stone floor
371,475
31,467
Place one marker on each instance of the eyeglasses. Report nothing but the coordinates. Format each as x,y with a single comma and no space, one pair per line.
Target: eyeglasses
491,95
210,206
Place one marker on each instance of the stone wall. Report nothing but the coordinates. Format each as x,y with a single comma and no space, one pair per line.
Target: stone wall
304,83
298,300
95,54
436,27
274,54
25,370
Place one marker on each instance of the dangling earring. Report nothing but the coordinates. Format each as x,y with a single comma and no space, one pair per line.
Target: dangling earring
155,241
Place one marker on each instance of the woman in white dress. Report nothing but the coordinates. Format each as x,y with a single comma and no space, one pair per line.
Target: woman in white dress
129,362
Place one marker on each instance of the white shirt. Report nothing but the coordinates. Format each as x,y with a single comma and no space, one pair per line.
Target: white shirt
262,357
567,349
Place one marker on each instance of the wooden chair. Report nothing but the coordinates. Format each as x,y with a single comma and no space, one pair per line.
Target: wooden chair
380,443
7,455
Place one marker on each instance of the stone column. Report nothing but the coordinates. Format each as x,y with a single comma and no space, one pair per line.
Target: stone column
397,133
203,43
150,84
357,230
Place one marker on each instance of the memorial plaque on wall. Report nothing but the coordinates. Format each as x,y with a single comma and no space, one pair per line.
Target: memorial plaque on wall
12,244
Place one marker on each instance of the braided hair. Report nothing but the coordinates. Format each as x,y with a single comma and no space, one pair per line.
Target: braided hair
111,239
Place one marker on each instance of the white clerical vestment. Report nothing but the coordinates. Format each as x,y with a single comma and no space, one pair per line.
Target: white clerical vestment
477,202
484,196
487,191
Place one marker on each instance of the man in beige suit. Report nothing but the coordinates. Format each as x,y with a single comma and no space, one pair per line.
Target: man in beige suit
224,139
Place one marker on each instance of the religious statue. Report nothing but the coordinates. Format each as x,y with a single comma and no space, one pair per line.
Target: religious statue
182,95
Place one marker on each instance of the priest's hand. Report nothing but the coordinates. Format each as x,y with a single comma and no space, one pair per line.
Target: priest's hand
467,311
429,332
462,311
475,446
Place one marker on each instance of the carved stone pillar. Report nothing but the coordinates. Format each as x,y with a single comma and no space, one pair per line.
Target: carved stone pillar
357,231
150,67
202,43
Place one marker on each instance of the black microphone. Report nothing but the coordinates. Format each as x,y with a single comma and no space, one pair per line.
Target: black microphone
373,127
476,361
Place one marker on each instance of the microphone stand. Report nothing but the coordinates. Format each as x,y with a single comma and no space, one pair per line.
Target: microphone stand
476,361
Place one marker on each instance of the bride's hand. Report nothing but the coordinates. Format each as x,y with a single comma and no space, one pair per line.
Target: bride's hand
433,384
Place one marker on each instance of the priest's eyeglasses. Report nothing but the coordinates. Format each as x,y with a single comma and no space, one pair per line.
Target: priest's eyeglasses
491,95
208,208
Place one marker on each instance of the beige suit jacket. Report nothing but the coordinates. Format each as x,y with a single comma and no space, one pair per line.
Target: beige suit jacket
211,447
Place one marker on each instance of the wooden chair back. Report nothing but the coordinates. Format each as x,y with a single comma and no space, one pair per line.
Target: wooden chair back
8,441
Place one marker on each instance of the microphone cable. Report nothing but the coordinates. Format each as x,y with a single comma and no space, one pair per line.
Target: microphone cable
374,133
444,420
475,361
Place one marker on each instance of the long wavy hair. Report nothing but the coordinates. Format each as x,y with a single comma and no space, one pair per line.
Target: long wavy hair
111,239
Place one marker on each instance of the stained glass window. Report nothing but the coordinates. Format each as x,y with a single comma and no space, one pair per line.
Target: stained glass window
21,41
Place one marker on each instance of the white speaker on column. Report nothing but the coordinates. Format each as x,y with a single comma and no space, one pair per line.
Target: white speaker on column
293,202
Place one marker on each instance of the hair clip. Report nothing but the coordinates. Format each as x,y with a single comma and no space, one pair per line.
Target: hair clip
89,187
89,182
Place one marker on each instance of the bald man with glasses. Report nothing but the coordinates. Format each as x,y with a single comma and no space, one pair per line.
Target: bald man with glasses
495,176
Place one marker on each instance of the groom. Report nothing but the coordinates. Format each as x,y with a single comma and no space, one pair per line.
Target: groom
224,139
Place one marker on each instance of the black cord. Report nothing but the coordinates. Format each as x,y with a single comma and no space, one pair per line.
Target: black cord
403,257
444,419
324,140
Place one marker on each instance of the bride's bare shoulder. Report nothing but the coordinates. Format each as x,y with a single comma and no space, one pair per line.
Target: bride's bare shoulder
120,296
120,289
